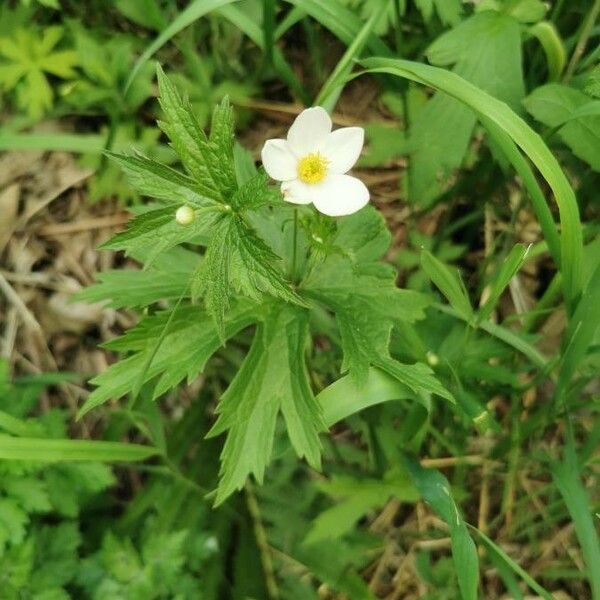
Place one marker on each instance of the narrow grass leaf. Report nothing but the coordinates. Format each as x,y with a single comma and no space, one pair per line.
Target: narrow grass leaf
567,477
449,283
506,272
194,11
501,555
38,449
529,141
435,489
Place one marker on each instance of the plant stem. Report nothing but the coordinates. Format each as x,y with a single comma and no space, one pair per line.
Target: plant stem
295,247
586,30
262,542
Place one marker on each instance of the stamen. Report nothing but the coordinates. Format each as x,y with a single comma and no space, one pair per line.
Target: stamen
312,168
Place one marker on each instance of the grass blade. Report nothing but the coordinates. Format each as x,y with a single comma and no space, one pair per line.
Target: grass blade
566,476
435,489
194,11
39,449
506,272
499,554
528,140
449,283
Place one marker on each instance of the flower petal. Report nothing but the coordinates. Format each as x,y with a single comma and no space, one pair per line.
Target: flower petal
309,131
278,160
342,147
297,192
339,195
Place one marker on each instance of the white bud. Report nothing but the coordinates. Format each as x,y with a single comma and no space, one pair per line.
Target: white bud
185,215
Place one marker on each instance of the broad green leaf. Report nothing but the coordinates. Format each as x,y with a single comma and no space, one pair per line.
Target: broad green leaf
190,341
52,450
273,378
435,490
487,106
512,263
553,104
449,283
439,136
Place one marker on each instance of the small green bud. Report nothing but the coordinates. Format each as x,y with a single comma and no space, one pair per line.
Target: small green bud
185,215
433,359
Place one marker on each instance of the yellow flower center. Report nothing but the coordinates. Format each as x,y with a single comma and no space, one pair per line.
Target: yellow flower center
312,168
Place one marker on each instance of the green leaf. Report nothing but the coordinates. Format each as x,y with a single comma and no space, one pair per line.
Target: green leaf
501,555
567,477
156,180
154,232
272,378
194,11
418,377
506,272
362,292
237,259
51,450
27,57
553,104
357,498
344,398
435,489
208,160
166,279
449,283
580,333
190,341
554,49
439,137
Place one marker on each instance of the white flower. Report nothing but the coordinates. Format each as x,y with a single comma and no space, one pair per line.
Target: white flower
312,162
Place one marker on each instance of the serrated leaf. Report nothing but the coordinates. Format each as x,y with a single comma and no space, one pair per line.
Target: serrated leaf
255,193
166,279
418,377
362,292
156,180
272,378
208,160
154,232
237,259
188,344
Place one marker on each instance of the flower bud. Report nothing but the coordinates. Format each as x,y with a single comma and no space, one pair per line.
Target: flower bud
433,359
185,215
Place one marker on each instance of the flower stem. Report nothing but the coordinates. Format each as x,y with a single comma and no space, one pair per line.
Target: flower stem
295,247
